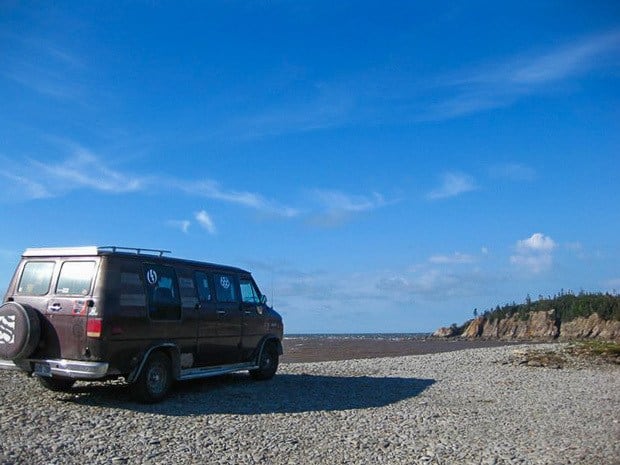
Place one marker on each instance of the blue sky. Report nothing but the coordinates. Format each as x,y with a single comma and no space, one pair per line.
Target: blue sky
379,166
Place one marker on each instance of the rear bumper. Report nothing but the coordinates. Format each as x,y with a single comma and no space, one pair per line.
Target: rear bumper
65,368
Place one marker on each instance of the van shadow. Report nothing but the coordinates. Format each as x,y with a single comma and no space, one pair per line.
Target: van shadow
240,395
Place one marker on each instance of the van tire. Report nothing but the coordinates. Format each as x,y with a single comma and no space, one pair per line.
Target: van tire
154,381
20,331
57,384
267,363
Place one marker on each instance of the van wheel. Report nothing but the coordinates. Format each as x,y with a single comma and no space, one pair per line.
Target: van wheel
154,381
57,384
20,331
267,364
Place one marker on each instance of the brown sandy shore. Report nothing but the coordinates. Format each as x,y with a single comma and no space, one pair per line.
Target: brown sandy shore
322,349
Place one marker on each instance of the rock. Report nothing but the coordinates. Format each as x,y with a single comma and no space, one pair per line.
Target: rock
475,327
445,332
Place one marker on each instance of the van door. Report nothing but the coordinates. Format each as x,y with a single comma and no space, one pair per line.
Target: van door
67,308
253,316
220,334
166,317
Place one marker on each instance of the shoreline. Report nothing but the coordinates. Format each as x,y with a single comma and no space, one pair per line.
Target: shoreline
302,349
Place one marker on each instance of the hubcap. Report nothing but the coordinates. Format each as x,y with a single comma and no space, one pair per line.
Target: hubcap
157,379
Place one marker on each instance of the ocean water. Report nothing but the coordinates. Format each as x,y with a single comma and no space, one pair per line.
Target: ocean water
374,336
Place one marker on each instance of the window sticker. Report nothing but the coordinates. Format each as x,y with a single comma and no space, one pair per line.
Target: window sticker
151,276
225,283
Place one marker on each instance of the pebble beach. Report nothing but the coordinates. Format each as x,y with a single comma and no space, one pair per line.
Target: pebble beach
467,406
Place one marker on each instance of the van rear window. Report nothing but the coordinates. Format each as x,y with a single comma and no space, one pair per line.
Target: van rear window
75,278
36,278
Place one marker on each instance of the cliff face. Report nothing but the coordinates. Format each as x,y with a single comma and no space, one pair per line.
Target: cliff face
541,325
538,325
592,327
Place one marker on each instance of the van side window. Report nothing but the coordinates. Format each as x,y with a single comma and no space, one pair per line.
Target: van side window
163,292
225,288
75,278
36,278
132,289
249,294
202,284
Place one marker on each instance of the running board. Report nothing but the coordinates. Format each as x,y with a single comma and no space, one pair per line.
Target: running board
206,372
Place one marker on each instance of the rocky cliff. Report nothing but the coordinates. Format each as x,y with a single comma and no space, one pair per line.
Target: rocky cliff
536,325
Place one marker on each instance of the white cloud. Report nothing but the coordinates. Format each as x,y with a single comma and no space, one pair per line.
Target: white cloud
537,242
205,221
534,253
455,258
453,184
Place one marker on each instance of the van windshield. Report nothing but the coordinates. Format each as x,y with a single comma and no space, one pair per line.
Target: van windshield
36,278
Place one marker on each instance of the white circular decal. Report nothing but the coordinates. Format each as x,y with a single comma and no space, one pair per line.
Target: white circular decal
224,282
151,276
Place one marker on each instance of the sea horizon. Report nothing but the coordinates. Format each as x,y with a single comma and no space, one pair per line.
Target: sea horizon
379,335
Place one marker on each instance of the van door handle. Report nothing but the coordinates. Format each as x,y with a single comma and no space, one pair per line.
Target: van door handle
221,312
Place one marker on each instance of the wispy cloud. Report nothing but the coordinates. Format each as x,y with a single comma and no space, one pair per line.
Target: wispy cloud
214,190
22,187
430,283
453,184
455,258
84,169
337,206
503,83
35,179
534,253
43,67
318,112
205,221
182,225
613,285
513,172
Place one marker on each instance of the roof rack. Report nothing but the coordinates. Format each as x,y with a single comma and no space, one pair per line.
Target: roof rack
137,250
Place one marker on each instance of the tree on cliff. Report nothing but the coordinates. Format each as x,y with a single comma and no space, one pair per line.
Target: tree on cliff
566,305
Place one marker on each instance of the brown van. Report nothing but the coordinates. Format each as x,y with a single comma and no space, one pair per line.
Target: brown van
92,313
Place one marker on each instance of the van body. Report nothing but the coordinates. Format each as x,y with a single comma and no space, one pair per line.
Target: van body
87,313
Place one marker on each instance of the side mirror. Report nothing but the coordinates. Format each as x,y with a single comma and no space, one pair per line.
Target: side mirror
263,299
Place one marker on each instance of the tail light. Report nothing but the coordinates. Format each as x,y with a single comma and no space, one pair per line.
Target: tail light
93,327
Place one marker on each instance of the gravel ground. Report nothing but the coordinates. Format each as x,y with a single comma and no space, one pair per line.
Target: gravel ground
465,407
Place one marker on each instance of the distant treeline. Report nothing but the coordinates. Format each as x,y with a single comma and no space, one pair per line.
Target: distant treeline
568,306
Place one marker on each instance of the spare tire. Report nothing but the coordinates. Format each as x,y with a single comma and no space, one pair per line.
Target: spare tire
20,331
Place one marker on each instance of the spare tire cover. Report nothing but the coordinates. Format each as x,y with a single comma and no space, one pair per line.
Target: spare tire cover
20,330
